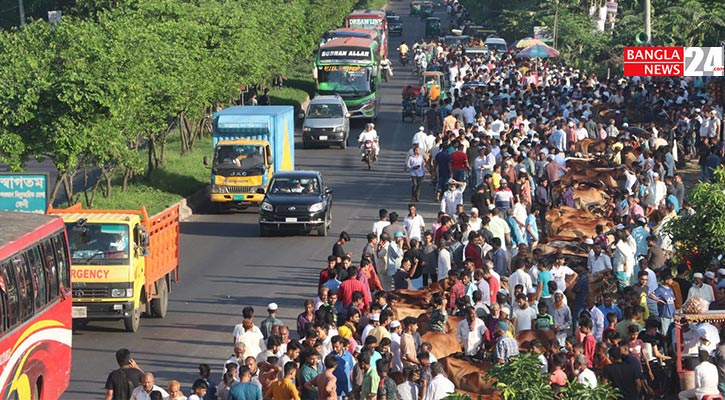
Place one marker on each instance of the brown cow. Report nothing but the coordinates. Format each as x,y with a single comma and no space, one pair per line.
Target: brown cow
468,375
451,323
444,344
400,311
524,338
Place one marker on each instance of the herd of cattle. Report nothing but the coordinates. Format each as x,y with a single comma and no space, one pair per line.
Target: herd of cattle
567,228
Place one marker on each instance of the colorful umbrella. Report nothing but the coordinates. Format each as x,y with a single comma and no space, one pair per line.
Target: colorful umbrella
538,51
526,42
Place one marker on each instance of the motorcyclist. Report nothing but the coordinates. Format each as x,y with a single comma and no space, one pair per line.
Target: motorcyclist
403,49
387,67
369,134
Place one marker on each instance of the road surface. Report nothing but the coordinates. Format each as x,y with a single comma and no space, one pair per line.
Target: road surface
226,266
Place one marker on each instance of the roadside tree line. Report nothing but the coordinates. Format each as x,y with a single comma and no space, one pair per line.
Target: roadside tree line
106,90
674,23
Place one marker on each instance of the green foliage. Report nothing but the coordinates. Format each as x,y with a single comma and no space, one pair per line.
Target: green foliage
521,379
114,76
674,23
704,232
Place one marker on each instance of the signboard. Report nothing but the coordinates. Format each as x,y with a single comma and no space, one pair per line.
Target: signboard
348,68
359,54
673,61
25,192
366,23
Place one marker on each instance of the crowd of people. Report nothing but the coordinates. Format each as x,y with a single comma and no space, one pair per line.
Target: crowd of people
496,150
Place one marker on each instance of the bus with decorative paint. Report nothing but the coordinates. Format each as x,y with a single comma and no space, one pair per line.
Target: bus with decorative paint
35,307
371,19
349,67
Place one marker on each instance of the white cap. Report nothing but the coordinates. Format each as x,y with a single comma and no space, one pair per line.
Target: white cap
474,210
491,206
272,307
506,310
588,241
358,348
619,227
697,110
531,290
721,271
697,275
710,275
656,174
642,220
375,317
421,129
394,324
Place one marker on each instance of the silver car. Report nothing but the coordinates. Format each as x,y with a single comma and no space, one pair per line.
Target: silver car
327,122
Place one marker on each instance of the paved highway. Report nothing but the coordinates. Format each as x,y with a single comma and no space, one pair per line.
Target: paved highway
226,266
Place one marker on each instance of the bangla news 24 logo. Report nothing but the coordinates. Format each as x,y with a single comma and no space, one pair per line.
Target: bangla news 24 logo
674,61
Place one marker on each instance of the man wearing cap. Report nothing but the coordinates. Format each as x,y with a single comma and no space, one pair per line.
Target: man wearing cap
655,194
720,278
452,197
700,289
270,321
506,346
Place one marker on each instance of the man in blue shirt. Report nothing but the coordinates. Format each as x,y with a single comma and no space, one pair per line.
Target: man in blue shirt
442,162
665,298
558,138
245,389
608,306
345,362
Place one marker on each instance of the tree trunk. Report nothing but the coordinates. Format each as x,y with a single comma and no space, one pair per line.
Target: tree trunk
151,150
56,187
184,142
162,154
190,134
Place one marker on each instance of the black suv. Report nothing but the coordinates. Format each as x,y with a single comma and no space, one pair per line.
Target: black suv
296,200
395,25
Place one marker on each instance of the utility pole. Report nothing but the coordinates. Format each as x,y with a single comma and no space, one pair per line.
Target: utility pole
22,12
556,24
648,20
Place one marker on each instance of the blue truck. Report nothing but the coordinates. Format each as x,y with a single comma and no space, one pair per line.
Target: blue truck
251,143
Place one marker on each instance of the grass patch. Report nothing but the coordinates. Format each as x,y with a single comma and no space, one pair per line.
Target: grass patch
373,4
178,178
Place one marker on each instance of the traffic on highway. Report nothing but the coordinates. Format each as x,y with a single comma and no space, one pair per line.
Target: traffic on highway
492,207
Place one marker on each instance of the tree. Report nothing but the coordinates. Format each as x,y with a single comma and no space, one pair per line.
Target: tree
521,379
701,236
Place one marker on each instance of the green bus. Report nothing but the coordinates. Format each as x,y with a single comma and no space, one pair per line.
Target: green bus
349,67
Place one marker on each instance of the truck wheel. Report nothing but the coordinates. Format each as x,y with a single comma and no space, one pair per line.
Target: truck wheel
160,305
133,322
343,144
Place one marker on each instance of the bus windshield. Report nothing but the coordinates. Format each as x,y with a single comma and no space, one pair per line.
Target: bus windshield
97,243
344,80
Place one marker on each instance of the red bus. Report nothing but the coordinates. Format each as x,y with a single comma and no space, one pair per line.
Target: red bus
35,307
371,19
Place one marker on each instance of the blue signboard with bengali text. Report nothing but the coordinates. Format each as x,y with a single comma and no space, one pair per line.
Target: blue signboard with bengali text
24,192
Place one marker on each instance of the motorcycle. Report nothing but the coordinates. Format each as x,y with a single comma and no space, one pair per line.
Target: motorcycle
369,154
386,72
404,59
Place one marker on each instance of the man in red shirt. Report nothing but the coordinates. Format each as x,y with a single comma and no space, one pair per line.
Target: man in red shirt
351,285
473,249
459,164
331,264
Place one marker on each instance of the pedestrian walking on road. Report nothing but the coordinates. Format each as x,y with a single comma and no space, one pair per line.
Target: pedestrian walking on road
121,382
416,170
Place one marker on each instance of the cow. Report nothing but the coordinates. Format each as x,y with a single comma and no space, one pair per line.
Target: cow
451,323
469,375
444,344
400,311
524,338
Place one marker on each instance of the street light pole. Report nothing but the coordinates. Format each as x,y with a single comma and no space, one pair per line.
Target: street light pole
647,20
22,12
556,23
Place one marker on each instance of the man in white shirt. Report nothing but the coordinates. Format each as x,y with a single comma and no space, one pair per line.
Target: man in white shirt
699,289
656,192
444,261
706,379
381,223
562,274
369,134
440,386
419,138
143,391
598,261
414,223
584,375
520,276
452,197
471,333
474,222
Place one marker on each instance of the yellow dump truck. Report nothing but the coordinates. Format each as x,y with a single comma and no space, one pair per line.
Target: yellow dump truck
123,262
